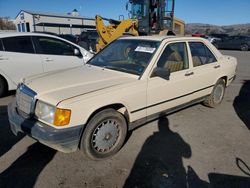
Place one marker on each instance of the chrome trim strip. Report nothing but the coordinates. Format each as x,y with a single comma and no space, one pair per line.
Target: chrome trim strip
162,102
26,90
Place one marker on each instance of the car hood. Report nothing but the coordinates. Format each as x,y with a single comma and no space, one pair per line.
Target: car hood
57,86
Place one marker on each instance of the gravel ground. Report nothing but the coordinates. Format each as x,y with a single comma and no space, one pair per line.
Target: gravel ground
196,147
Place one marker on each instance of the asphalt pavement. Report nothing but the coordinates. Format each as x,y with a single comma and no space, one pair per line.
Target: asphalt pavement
196,147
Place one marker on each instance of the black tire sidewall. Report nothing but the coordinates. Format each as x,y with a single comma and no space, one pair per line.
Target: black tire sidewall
3,87
86,145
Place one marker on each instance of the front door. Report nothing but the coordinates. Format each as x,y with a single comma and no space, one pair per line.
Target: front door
57,54
163,94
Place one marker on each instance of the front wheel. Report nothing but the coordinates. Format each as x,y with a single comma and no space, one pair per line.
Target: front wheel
104,135
217,95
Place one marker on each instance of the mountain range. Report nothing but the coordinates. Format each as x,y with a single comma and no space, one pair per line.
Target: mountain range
238,29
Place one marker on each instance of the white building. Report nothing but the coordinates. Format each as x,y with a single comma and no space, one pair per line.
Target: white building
72,23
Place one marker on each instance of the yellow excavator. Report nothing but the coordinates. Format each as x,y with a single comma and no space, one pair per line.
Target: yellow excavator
147,17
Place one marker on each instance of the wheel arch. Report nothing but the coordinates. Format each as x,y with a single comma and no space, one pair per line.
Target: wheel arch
10,84
116,106
5,80
244,43
225,79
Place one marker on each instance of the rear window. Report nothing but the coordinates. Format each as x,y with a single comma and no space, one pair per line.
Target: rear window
201,55
22,44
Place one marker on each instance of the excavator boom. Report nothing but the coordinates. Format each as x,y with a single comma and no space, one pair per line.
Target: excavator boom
114,30
149,17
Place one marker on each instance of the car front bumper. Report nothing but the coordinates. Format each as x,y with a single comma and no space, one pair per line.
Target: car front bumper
64,140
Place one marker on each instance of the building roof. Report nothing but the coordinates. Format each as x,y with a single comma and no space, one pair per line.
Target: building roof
54,15
179,20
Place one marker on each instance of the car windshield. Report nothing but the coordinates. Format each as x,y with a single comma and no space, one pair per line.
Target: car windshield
126,55
138,9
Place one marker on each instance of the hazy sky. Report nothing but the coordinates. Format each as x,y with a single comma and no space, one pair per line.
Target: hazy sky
218,12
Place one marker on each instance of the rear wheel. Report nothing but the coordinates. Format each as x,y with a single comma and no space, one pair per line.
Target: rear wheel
216,97
104,135
244,47
3,86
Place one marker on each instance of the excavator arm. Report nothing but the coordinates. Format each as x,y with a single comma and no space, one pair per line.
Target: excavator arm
114,30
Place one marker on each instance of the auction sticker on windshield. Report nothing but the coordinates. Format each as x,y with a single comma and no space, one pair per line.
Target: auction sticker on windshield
145,49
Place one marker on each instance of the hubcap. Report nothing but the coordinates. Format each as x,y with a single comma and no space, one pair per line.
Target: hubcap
244,47
105,135
218,93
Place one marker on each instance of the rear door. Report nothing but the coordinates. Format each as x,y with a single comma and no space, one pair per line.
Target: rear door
19,59
205,68
225,43
57,54
233,43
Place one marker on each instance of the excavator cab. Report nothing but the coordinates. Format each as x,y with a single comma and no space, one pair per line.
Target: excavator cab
153,16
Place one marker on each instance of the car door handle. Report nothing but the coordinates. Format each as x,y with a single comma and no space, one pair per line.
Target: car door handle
189,74
48,60
217,66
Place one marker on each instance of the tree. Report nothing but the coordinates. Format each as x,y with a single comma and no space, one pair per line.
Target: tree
6,24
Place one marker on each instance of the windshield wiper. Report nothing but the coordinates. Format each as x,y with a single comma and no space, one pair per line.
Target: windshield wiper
120,69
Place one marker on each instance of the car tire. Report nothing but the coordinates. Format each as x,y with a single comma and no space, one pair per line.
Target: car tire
3,86
217,95
104,134
244,47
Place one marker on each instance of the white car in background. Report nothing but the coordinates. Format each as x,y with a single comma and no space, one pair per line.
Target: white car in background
26,54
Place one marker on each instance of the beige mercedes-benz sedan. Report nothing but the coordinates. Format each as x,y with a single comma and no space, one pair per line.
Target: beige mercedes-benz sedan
131,81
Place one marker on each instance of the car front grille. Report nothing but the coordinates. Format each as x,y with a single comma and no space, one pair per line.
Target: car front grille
25,99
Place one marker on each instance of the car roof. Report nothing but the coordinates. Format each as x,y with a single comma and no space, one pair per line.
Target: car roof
240,36
153,37
161,38
174,39
14,34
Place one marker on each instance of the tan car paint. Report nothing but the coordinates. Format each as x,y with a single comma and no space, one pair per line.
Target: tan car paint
88,88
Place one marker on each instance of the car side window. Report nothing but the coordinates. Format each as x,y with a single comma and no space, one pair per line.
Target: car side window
201,55
174,57
54,46
21,44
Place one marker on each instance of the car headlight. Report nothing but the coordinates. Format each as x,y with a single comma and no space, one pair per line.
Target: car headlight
51,114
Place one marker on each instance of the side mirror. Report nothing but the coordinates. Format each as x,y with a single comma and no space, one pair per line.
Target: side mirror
161,72
77,52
